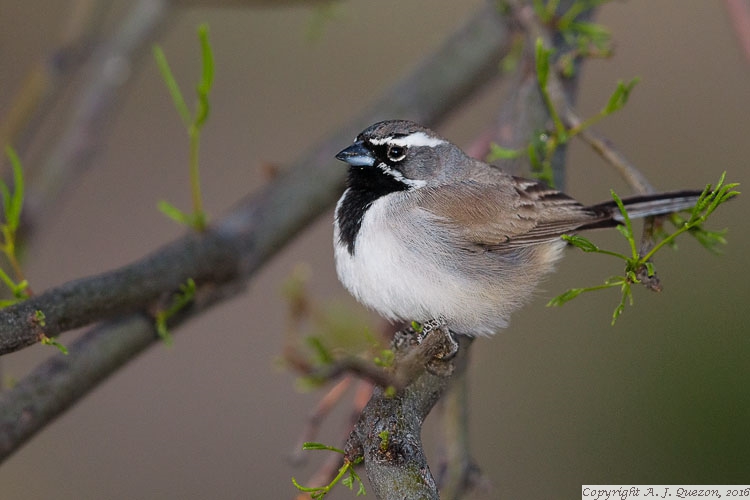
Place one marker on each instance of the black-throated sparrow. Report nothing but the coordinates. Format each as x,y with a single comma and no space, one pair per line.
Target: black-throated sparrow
423,231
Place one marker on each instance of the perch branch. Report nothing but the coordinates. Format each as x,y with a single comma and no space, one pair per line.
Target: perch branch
388,433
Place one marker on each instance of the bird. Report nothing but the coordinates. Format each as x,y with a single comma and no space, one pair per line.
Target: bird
423,232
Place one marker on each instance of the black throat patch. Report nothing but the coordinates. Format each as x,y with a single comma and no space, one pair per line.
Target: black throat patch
365,185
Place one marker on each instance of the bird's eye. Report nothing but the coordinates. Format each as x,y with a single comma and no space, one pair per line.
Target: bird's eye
396,153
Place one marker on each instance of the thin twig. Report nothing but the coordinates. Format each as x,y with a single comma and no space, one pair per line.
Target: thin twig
319,413
107,71
44,83
627,170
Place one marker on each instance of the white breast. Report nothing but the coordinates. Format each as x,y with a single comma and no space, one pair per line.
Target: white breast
406,267
381,273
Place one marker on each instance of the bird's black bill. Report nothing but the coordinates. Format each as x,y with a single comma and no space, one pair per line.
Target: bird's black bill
357,155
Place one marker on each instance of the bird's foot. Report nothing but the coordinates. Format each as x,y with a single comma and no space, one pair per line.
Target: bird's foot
451,345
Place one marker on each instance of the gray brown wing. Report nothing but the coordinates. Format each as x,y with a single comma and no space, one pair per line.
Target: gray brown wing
508,214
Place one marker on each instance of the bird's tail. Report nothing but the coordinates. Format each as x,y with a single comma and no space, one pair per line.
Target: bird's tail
643,206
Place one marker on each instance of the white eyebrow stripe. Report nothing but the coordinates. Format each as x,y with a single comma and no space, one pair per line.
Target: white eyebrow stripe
412,183
416,139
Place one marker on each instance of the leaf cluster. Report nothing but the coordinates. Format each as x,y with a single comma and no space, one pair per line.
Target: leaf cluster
193,123
12,206
544,143
635,263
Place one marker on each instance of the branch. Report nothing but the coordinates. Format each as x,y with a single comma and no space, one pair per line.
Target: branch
57,383
388,433
227,255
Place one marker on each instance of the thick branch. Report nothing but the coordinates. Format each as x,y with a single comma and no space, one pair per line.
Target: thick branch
388,433
56,384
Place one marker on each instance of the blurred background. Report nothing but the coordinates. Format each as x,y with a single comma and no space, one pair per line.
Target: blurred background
558,400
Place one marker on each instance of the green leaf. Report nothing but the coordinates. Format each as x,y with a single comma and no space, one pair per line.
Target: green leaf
623,230
193,124
346,475
172,86
594,34
709,200
565,297
543,58
181,299
311,445
580,242
40,318
324,356
7,280
348,481
627,229
383,435
207,78
386,358
306,489
710,240
7,196
627,295
19,290
13,203
615,281
650,268
620,96
498,152
161,329
542,63
540,9
361,491
53,342
174,213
